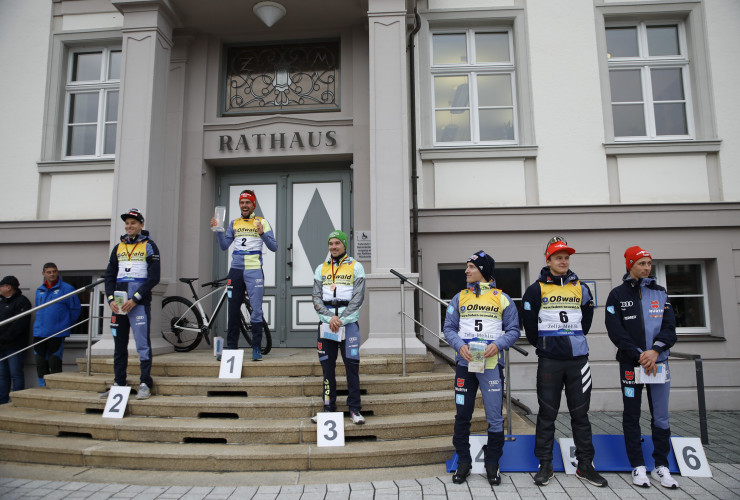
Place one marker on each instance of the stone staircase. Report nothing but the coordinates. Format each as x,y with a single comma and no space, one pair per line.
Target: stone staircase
195,421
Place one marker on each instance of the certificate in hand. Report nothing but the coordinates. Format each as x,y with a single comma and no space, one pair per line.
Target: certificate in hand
326,333
659,378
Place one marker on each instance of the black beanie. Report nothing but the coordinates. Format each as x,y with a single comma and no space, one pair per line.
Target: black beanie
484,263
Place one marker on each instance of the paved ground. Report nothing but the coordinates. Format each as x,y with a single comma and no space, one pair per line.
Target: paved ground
427,483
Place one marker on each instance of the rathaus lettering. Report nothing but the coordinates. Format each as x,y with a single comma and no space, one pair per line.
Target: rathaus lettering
282,140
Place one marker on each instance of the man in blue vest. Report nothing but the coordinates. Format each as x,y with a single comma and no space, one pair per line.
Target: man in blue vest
477,316
248,233
557,310
51,320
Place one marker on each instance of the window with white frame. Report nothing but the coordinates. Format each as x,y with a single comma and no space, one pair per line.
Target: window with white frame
508,277
473,87
686,283
91,107
649,80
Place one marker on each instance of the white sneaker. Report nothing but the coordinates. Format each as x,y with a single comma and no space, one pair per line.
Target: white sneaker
144,392
639,477
662,474
357,417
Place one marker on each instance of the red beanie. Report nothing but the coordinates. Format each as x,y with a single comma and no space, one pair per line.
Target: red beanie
633,254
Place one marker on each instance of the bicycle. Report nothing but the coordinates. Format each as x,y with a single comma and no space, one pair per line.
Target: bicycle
185,323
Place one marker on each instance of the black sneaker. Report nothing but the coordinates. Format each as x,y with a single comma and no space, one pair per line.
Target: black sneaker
494,478
462,472
588,473
543,476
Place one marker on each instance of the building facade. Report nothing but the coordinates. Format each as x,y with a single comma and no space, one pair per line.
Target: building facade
426,129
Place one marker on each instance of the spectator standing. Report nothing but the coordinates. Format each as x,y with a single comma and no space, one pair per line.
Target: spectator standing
13,336
51,320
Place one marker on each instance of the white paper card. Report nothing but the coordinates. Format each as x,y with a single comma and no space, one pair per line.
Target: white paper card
115,406
644,378
218,346
568,452
231,363
330,429
326,333
690,457
477,363
476,452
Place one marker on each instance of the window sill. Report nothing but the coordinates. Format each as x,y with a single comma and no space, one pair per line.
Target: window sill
477,152
92,165
698,337
662,147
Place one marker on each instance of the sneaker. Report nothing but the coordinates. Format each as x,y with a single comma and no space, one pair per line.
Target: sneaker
462,472
639,477
544,474
104,395
357,417
256,354
662,474
144,391
588,473
494,478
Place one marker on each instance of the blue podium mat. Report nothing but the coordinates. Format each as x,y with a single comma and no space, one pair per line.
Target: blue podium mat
611,455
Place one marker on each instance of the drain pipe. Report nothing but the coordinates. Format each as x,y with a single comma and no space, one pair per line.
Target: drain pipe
414,166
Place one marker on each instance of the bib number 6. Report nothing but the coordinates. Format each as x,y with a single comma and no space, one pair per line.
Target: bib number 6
563,317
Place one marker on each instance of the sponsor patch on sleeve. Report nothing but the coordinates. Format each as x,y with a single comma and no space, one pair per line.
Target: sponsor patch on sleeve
527,306
610,309
450,309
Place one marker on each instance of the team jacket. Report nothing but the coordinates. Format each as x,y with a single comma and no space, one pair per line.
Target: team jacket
59,315
247,253
345,300
639,317
14,335
134,268
481,311
557,312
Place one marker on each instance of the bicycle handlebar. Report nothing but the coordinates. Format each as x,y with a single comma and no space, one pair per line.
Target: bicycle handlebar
214,283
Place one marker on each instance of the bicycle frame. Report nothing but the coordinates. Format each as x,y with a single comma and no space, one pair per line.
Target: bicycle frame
207,321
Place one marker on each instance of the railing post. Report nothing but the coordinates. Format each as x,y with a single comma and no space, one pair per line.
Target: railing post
507,383
89,350
702,405
403,328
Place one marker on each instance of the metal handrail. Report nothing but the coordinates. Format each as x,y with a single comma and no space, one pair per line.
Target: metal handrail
404,280
47,304
699,392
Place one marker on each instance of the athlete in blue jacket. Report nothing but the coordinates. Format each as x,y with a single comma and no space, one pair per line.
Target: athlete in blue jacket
640,321
133,268
248,233
481,313
53,319
557,311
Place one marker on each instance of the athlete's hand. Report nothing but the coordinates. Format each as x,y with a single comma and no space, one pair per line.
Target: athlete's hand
648,361
214,222
491,350
258,226
113,307
128,305
335,324
465,353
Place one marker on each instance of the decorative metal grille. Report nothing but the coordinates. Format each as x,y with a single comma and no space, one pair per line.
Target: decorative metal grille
282,78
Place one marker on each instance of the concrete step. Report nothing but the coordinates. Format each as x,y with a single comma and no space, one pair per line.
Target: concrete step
224,458
279,363
224,431
256,386
236,406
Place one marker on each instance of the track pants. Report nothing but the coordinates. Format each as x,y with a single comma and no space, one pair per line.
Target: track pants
350,348
552,376
138,320
251,282
491,383
657,396
48,356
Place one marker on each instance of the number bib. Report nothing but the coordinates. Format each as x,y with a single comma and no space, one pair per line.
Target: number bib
481,317
247,241
560,312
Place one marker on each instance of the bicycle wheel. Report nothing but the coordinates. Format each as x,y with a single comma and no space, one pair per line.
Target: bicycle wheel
181,324
246,328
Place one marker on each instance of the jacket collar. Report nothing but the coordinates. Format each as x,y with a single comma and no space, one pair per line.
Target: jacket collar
546,276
